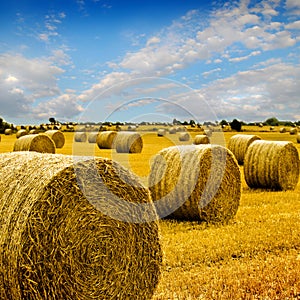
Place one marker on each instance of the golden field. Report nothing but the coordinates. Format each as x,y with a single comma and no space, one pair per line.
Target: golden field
255,256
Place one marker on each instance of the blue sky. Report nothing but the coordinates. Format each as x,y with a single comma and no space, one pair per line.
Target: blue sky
98,60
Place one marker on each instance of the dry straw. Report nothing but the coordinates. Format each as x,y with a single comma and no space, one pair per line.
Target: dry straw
196,183
282,130
208,132
80,137
92,137
201,139
172,130
105,139
161,132
184,136
239,143
33,131
35,142
298,138
293,131
128,142
272,165
21,132
8,131
57,136
55,244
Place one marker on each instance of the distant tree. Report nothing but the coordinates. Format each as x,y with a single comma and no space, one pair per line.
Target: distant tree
223,122
52,120
236,125
192,122
272,121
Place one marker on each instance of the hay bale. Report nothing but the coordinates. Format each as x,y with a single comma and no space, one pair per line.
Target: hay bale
65,234
21,132
35,142
208,132
239,143
105,140
8,131
57,137
293,131
184,136
196,183
92,137
282,130
201,139
80,137
298,138
128,142
161,132
272,164
33,131
172,130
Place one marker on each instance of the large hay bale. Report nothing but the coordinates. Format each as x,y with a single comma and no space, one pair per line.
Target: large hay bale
282,130
161,132
57,136
92,137
8,131
35,142
21,132
128,142
195,182
184,136
298,138
105,139
80,137
272,164
293,131
201,139
239,143
33,131
68,230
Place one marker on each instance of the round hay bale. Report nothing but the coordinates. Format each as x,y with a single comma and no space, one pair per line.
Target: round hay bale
298,138
293,131
239,143
105,140
128,142
21,132
35,142
201,139
184,136
208,132
60,241
172,130
80,137
57,137
92,137
282,130
33,131
132,128
272,164
161,132
8,131
196,183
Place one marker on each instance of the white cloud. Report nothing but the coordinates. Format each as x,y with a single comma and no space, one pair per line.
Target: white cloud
293,25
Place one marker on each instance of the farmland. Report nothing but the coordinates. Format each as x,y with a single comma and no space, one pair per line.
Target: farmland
255,256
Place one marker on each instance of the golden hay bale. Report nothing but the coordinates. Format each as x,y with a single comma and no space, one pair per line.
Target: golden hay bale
161,132
282,130
298,138
33,131
293,131
272,164
105,139
35,142
57,137
128,142
92,137
8,131
201,139
195,182
208,132
184,136
80,137
239,143
21,132
74,229
172,130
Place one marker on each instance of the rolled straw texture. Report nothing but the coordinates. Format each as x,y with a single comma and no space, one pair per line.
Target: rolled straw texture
105,139
172,130
201,139
35,142
128,142
56,244
80,137
92,137
20,133
293,131
239,143
282,130
161,132
8,131
184,136
57,136
272,165
195,183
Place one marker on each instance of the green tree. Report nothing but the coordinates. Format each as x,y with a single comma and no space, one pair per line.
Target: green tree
272,121
236,125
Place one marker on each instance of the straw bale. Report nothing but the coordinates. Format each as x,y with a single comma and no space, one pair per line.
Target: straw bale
172,130
298,138
67,232
195,182
293,131
80,137
201,139
239,143
282,130
92,137
161,132
21,132
208,132
33,131
272,165
105,140
57,136
8,131
35,142
184,136
128,142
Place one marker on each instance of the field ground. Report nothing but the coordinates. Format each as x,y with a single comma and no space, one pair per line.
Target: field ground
255,256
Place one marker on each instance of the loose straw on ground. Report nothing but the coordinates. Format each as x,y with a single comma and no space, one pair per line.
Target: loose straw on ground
35,142
128,142
105,139
57,136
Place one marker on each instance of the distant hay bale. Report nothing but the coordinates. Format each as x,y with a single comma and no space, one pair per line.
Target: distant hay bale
208,132
161,132
201,139
184,136
196,183
57,136
272,164
172,130
105,140
132,128
65,234
293,131
282,130
21,132
92,137
8,131
128,142
298,138
35,142
80,137
33,131
239,143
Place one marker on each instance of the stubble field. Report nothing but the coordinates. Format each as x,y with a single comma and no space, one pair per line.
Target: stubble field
255,256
